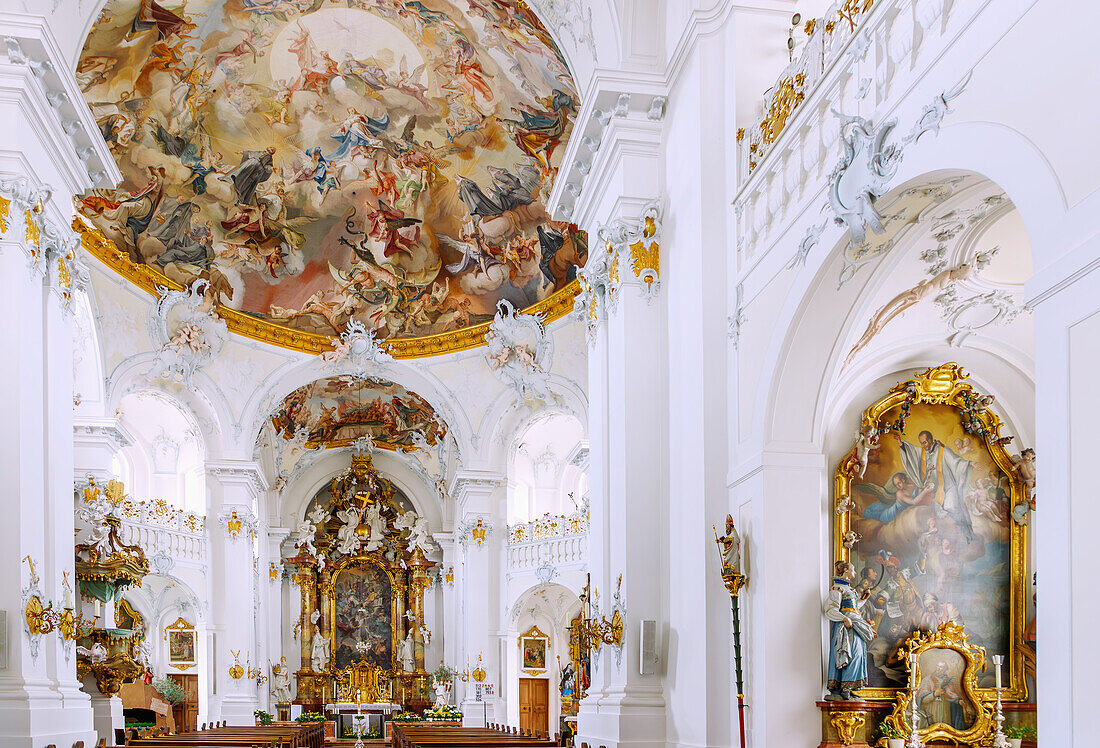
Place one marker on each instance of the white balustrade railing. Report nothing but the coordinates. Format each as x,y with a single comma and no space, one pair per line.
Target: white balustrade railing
550,540
157,527
855,60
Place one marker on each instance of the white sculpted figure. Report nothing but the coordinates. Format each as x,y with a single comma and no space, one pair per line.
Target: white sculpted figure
442,691
731,548
306,532
867,440
99,652
405,520
377,524
408,661
318,653
280,684
419,536
348,540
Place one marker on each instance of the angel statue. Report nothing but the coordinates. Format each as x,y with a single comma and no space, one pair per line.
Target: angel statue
405,520
731,548
867,440
306,532
419,536
347,538
377,524
1024,467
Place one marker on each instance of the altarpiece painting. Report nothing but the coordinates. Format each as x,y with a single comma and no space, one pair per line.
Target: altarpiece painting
364,618
923,511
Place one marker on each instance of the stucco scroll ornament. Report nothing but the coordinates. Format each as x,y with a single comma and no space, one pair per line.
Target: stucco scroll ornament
188,330
519,351
860,177
599,291
737,319
640,240
29,203
357,351
932,115
568,17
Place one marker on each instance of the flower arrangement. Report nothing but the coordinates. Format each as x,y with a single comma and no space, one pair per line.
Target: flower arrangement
263,719
443,674
889,731
1020,732
172,691
310,717
406,717
443,714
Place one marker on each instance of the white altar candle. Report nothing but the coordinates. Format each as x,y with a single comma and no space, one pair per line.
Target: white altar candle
912,670
997,661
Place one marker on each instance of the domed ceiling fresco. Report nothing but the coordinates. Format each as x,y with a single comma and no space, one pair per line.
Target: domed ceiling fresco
326,160
337,410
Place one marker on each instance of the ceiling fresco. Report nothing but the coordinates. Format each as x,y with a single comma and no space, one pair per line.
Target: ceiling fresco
337,410
326,160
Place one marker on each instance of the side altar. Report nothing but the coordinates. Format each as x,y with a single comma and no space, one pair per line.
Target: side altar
362,572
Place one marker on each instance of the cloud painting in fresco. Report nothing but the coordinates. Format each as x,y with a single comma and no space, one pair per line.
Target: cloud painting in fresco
325,160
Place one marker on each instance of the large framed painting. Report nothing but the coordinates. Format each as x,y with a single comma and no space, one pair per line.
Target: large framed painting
533,646
362,621
180,636
924,512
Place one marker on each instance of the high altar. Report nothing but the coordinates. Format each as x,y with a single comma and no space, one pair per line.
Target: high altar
362,591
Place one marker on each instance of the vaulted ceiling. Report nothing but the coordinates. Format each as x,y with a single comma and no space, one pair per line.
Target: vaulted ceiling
330,160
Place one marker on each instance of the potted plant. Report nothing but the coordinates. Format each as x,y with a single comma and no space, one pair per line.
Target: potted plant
1017,733
174,694
895,736
263,719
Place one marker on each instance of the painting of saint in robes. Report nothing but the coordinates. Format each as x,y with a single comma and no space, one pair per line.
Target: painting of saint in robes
940,698
364,617
932,510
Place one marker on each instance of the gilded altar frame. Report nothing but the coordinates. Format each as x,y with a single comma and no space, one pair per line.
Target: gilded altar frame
951,637
946,385
398,592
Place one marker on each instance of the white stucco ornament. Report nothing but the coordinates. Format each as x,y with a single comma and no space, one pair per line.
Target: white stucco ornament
860,177
188,330
356,352
519,351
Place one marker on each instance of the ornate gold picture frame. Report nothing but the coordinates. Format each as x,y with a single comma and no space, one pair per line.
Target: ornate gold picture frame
922,546
949,702
534,649
182,644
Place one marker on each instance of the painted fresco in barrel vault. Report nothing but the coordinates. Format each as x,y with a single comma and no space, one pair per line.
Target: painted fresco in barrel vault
325,160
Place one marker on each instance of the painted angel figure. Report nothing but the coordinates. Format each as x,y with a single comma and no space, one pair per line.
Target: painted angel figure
419,536
347,538
731,548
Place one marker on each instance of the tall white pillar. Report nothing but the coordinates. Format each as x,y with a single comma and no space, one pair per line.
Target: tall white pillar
235,488
479,499
270,649
628,424
445,628
40,698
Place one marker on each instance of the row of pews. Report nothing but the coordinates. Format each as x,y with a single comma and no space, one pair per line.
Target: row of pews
308,735
411,735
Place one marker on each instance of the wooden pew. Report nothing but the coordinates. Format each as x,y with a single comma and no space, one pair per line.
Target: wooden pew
300,736
409,735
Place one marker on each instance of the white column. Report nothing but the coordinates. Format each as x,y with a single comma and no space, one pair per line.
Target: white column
1067,357
445,628
273,616
479,497
40,698
628,427
235,488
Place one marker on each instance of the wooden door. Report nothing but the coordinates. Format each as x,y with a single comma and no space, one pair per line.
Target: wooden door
534,704
186,713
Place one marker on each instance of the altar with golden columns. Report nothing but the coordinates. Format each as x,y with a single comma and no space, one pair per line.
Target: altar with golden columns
362,581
